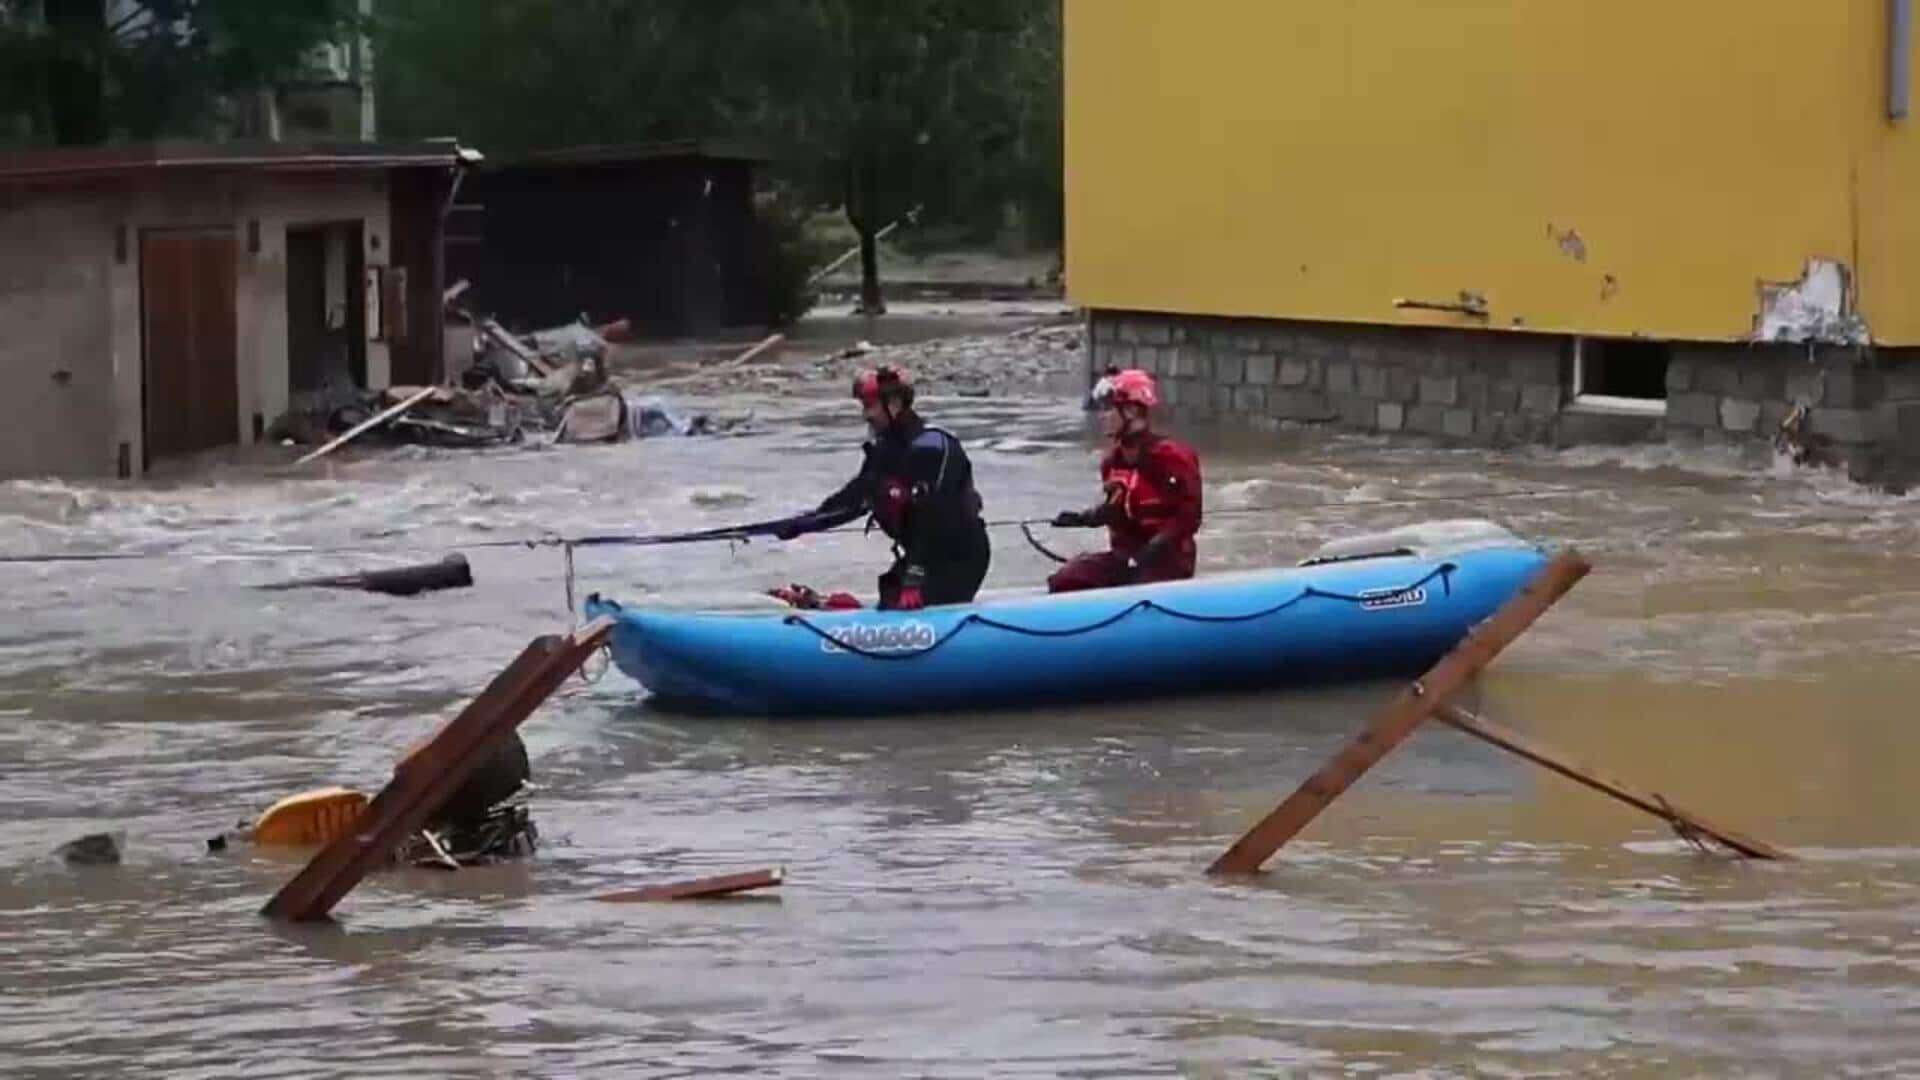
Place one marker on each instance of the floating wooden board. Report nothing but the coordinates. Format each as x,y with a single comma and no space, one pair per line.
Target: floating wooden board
699,889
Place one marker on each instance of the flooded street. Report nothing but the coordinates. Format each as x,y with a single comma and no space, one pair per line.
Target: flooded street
1012,894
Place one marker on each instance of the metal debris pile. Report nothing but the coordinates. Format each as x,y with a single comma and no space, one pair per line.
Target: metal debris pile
552,383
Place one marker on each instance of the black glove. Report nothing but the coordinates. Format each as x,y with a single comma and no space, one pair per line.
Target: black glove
1073,519
1138,562
787,530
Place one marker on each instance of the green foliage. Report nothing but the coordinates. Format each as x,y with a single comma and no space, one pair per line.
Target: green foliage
161,69
873,105
786,253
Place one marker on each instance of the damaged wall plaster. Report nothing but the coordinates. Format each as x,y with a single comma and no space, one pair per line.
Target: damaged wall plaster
1570,243
1818,308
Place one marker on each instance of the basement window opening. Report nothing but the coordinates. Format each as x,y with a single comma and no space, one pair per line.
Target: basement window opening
1620,375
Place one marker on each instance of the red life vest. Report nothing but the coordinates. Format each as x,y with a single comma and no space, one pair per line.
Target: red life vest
1158,490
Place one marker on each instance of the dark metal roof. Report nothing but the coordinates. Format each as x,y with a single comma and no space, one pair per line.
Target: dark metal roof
92,162
635,153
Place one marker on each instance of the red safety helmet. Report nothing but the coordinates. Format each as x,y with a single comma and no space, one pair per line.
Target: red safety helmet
1129,387
883,382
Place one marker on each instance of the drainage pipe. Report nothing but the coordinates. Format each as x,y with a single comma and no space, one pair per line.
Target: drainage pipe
1899,57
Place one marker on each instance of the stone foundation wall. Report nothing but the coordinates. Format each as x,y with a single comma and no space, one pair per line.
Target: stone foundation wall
1854,408
1861,407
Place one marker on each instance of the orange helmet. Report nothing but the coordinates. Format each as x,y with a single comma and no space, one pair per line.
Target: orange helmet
1129,387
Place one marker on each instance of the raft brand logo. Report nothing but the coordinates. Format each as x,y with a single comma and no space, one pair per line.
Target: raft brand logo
880,637
1381,599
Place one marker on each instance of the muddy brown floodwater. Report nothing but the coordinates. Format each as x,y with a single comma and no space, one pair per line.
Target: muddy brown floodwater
1017,894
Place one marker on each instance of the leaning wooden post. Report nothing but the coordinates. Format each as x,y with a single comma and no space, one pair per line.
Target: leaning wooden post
1391,726
1512,741
369,424
426,778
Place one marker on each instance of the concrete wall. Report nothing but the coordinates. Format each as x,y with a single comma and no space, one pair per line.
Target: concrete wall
69,302
1861,407
61,371
1608,167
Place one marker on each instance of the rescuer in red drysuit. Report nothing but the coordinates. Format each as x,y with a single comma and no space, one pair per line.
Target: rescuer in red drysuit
1152,504
916,483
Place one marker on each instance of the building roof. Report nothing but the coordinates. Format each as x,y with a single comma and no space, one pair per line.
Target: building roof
94,162
635,153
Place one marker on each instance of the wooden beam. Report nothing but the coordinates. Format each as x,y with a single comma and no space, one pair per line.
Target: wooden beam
426,778
1507,739
369,424
759,347
699,889
741,360
1399,719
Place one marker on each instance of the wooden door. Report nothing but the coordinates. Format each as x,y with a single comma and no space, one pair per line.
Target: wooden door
190,339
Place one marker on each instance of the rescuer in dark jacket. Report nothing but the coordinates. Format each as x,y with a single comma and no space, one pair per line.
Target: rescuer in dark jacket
916,484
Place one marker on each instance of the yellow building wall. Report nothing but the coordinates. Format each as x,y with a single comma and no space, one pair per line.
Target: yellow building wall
1319,160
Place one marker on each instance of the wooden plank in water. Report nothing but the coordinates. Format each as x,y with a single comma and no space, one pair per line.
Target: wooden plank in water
369,424
699,889
1401,717
1507,739
426,778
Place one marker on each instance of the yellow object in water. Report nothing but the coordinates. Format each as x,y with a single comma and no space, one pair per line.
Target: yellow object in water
310,818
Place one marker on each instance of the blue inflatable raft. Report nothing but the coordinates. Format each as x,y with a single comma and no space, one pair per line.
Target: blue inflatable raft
1376,606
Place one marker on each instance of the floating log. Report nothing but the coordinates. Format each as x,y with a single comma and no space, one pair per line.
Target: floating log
1400,718
451,572
1682,820
425,779
699,889
369,424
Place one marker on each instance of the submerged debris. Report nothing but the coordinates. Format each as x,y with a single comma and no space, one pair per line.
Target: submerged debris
94,849
485,820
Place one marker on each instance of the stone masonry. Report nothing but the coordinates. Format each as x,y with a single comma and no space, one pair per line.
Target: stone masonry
1861,407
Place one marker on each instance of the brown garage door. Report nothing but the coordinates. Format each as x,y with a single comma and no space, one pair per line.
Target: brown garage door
190,340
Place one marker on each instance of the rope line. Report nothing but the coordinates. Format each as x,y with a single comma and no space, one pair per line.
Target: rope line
732,534
1444,572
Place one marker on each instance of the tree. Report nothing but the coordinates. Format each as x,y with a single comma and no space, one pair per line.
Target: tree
912,108
85,70
877,106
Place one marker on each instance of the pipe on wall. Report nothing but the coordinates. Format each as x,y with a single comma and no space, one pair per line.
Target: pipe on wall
1899,57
